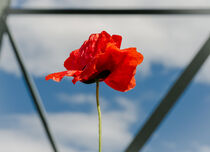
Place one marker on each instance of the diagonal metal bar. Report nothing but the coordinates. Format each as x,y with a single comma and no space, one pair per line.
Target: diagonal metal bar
170,99
1,33
33,91
4,4
203,11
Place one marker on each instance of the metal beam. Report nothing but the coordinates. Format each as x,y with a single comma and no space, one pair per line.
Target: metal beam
4,5
1,33
110,11
32,91
170,99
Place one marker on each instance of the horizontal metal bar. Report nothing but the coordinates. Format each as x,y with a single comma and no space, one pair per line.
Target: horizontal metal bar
32,90
170,99
111,11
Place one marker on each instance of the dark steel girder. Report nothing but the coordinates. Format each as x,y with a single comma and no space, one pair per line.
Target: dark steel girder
170,99
22,11
32,90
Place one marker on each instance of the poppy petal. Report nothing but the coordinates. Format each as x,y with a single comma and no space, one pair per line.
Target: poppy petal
96,44
119,66
100,58
117,39
73,62
125,61
59,75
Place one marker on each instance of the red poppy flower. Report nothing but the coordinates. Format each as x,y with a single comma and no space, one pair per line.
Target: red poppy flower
100,58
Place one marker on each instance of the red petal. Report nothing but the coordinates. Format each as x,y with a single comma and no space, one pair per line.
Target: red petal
117,39
125,61
59,75
100,58
95,45
121,64
73,62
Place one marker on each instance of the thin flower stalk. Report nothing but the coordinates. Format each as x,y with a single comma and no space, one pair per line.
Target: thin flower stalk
99,114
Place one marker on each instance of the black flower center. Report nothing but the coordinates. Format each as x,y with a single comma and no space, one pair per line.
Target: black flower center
100,76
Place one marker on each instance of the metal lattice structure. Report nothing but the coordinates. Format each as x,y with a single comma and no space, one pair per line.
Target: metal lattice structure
165,105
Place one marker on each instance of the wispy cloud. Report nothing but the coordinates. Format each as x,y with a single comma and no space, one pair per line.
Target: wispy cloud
204,148
46,41
75,131
14,141
77,98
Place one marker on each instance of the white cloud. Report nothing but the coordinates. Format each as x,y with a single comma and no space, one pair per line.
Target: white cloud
204,148
196,146
24,133
75,131
80,98
169,145
162,145
8,60
204,73
14,141
46,41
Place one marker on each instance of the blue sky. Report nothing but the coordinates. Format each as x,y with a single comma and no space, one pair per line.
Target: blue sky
168,43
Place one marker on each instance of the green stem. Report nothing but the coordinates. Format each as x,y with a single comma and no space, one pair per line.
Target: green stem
99,113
